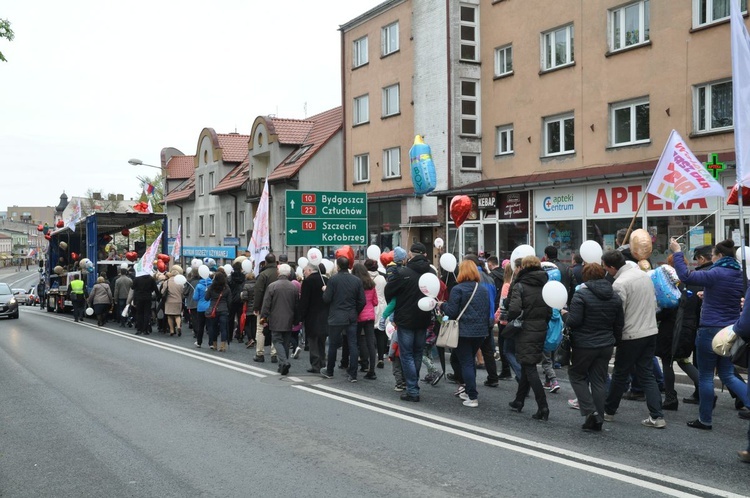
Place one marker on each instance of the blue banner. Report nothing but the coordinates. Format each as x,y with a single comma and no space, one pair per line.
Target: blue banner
209,252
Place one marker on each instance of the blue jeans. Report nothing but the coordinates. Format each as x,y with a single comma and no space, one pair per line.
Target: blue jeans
509,348
708,361
335,337
466,353
410,348
217,327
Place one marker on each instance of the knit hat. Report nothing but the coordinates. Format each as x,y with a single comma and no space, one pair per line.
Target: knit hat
418,248
504,263
399,254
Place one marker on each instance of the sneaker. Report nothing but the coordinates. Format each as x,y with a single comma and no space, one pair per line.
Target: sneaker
428,378
437,379
409,397
546,385
274,358
557,366
554,386
491,383
697,424
351,379
657,423
325,373
451,377
296,353
573,403
399,387
463,396
471,403
460,390
380,364
609,418
196,344
285,369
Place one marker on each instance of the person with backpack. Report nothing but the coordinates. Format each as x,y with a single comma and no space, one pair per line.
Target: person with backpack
595,319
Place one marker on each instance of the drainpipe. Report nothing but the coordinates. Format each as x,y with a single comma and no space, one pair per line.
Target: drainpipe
236,230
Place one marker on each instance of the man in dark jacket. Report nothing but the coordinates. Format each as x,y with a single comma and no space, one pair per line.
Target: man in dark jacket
345,294
266,278
236,283
280,310
144,286
314,313
410,321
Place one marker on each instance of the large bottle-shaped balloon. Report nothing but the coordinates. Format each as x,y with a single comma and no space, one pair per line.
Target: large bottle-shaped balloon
423,174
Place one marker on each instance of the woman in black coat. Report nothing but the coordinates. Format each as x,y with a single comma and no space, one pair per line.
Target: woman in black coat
526,297
314,314
595,319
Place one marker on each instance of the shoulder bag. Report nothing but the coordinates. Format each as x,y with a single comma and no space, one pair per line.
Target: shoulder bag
213,310
448,337
514,326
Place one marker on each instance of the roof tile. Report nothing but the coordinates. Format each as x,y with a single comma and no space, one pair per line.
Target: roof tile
180,167
292,131
234,180
234,147
183,192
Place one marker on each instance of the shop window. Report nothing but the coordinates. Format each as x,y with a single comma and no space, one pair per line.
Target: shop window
629,25
604,231
630,122
557,48
711,11
559,135
713,107
663,228
564,235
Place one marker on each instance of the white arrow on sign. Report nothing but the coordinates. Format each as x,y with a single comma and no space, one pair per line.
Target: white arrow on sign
292,230
291,204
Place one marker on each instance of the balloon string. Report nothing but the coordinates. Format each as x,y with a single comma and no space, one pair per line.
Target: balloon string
697,225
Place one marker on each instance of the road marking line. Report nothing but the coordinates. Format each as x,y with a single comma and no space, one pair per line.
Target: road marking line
529,447
226,363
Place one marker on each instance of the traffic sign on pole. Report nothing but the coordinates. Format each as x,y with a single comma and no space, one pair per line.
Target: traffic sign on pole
315,218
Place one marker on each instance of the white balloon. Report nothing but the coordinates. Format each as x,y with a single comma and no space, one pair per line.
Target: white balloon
195,264
373,252
228,269
315,256
554,294
448,262
203,271
439,243
429,284
89,311
738,253
427,303
124,266
328,264
591,252
302,262
180,279
247,266
521,252
299,272
211,263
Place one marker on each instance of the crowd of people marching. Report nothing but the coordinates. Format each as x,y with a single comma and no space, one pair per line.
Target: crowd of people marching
373,314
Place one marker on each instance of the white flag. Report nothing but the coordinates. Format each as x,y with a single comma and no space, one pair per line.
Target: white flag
680,177
150,207
145,265
177,247
76,213
740,91
260,243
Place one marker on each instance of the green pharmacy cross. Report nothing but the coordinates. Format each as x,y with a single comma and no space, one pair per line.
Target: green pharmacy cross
714,166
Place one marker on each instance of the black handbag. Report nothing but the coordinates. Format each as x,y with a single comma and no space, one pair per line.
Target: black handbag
741,352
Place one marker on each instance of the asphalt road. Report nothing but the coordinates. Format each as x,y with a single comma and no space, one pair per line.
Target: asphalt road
97,411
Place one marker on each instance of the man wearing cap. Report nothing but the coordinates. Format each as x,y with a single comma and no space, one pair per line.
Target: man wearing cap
280,310
410,321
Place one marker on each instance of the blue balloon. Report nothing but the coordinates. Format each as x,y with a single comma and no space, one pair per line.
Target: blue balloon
423,175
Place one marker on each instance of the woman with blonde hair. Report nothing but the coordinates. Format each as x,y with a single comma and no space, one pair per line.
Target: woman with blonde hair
101,300
468,303
527,304
171,293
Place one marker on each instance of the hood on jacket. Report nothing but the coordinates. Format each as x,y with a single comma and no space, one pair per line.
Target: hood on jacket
206,282
601,288
533,277
419,264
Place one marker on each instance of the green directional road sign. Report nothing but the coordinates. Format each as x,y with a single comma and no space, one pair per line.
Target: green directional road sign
316,218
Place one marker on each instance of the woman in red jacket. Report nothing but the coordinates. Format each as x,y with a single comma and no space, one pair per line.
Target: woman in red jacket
366,319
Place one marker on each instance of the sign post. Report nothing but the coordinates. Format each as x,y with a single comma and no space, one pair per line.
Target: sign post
316,218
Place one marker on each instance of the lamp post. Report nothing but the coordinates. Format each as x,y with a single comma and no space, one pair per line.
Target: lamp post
138,162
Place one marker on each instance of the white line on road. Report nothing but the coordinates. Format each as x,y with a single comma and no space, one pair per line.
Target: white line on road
528,447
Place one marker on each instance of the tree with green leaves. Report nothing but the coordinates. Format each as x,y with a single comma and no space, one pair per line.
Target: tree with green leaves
7,33
158,194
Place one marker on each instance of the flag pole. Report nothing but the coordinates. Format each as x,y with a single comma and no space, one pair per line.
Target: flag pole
742,236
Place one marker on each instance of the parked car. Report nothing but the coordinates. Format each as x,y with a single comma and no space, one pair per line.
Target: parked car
8,303
33,298
21,296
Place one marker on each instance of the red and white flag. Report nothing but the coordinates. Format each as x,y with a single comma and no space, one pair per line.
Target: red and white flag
145,265
177,247
150,207
680,177
260,242
740,91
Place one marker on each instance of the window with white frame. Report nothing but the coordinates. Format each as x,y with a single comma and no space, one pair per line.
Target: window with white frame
504,136
241,222
361,109
187,226
559,135
557,47
229,223
359,52
212,224
504,60
469,32
713,106
389,39
201,226
201,190
391,100
469,107
629,25
710,11
211,184
392,162
362,168
470,161
630,122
